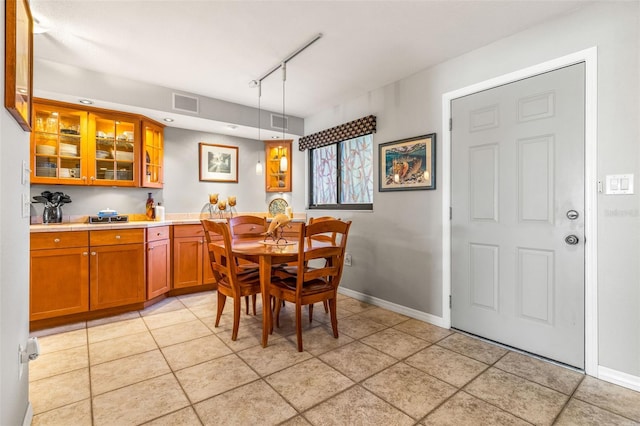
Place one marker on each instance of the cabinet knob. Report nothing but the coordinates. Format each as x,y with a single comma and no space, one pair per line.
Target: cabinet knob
84,178
117,237
158,234
150,248
93,253
92,178
56,240
84,253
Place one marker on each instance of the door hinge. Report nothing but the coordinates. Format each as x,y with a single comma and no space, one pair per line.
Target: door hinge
450,124
449,301
450,213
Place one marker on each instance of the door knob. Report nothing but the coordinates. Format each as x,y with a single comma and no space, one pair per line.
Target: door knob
572,240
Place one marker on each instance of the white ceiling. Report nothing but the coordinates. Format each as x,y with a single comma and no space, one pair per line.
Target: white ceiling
215,48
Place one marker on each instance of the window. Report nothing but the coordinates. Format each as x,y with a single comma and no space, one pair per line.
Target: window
341,175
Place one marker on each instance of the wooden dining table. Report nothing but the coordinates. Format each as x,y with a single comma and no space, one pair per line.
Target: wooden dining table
266,254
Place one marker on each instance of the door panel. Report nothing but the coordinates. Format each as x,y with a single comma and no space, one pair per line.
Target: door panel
517,168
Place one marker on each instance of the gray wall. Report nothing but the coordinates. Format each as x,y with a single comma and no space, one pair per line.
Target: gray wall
396,249
14,267
183,192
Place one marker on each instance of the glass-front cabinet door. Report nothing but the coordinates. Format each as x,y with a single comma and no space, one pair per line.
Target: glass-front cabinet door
59,145
152,155
113,142
278,166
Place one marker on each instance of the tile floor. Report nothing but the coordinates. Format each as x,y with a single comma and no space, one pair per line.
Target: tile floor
168,365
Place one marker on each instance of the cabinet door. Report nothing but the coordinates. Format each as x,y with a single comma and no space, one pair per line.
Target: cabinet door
117,275
278,166
152,155
114,148
58,282
58,145
158,268
187,261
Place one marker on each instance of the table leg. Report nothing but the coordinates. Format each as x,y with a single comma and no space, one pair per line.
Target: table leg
265,280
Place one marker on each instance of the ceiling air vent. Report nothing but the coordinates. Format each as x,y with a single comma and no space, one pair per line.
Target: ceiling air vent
185,103
279,122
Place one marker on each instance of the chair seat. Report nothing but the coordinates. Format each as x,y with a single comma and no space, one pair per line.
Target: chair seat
310,287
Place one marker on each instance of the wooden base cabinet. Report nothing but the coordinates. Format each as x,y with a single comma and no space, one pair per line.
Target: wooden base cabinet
158,261
59,265
191,265
117,268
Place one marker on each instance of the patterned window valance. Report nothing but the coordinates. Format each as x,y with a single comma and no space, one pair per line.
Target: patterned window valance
353,129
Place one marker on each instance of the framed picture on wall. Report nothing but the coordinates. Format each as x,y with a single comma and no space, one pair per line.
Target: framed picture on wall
218,163
18,61
408,164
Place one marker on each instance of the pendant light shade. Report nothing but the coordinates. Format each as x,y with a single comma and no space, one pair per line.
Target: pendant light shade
283,162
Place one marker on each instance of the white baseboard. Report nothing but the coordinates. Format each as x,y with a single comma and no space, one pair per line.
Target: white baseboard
28,415
619,378
422,316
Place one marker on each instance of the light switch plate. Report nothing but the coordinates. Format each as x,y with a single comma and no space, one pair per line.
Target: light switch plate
619,184
26,205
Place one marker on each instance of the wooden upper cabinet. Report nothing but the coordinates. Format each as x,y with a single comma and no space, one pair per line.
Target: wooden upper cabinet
77,145
277,166
152,155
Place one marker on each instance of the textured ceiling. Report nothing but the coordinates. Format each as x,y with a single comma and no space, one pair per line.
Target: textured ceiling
214,48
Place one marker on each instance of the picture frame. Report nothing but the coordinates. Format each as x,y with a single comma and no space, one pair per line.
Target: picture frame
18,61
218,163
408,164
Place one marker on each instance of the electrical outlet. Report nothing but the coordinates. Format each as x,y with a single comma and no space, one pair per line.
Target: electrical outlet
347,259
26,205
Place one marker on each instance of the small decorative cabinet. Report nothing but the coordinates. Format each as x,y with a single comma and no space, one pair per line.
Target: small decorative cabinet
278,166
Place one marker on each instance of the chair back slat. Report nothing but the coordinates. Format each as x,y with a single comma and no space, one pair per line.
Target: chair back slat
244,227
218,238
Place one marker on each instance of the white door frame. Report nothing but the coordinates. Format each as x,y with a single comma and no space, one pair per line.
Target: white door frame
590,58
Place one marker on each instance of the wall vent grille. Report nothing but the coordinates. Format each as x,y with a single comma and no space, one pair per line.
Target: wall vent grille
279,122
186,103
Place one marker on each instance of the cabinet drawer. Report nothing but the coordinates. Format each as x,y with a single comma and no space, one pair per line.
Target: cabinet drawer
116,236
49,240
157,233
188,231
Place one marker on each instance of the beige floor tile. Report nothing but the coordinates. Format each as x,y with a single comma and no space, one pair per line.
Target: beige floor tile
249,334
353,305
384,316
51,364
358,327
116,329
279,355
76,414
423,330
194,352
308,383
614,398
58,330
473,348
194,299
580,413
139,403
319,340
446,365
184,417
62,341
205,310
357,361
395,343
527,400
120,347
57,391
544,373
214,377
322,317
409,389
126,371
356,406
465,410
253,403
116,318
297,421
166,319
169,304
179,333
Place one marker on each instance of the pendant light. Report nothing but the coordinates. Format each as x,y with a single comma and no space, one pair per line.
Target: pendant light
283,159
259,164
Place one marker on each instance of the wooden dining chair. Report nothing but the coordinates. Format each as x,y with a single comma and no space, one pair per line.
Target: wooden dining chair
247,227
231,281
322,237
309,285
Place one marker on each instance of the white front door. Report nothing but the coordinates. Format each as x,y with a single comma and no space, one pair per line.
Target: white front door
517,227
